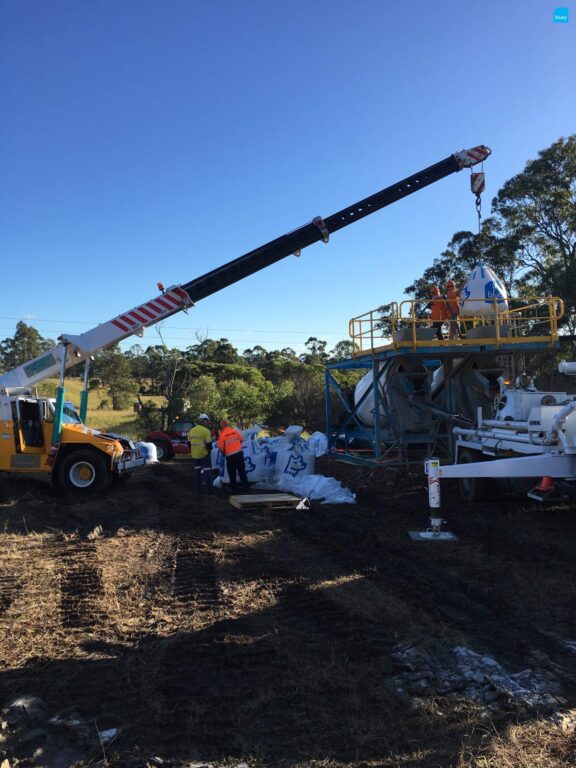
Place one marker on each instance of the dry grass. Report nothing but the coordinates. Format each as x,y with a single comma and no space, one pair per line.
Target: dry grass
124,422
29,624
538,744
263,635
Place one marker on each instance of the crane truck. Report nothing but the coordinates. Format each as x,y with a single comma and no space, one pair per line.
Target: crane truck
47,436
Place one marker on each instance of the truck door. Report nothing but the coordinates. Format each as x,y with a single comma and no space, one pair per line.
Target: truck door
29,438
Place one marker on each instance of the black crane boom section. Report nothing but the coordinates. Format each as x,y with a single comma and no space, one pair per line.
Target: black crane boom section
316,230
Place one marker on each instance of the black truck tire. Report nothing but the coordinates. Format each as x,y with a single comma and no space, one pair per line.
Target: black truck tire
163,450
83,472
474,489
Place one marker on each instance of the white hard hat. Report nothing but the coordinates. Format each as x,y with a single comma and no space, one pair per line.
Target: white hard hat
203,417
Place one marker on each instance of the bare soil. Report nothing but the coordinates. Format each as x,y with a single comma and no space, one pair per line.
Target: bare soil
206,633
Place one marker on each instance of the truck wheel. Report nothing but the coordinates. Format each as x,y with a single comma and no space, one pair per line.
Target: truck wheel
84,472
474,489
163,451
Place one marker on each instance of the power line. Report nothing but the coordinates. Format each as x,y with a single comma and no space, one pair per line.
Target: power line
172,327
149,340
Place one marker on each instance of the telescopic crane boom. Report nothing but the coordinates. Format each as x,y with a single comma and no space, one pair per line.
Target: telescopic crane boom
72,349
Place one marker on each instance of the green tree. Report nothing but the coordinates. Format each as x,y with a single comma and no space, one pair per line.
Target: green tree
26,344
256,356
307,399
111,371
221,351
316,352
204,396
536,209
342,350
136,357
281,406
245,403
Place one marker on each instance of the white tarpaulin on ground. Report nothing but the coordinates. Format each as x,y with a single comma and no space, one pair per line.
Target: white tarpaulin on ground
330,490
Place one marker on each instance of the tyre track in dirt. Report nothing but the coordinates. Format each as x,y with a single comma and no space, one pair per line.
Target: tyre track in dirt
80,586
194,572
9,590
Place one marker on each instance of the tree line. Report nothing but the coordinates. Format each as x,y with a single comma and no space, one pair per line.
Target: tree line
529,240
276,387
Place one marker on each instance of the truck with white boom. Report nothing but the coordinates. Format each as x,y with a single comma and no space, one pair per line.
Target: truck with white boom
529,443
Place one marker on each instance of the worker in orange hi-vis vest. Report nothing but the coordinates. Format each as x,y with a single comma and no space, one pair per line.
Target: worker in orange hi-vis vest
452,309
437,309
230,444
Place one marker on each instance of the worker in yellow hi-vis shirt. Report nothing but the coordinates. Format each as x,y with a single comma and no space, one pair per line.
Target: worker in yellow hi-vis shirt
200,442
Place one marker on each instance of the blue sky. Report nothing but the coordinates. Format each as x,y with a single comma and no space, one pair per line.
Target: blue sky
146,140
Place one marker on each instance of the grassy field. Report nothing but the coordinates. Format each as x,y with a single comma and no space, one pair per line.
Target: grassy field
125,422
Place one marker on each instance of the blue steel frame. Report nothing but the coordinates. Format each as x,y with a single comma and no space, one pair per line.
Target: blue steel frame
390,448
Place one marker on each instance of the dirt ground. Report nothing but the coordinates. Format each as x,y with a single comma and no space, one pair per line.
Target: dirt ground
209,634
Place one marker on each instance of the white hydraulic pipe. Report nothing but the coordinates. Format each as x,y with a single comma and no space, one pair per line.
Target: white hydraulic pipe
558,422
499,424
498,435
568,368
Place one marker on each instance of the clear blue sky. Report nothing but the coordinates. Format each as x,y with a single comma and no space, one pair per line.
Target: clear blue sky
146,140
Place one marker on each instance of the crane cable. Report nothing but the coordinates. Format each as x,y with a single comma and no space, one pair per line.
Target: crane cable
477,185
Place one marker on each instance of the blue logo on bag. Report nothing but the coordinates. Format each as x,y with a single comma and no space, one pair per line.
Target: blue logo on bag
249,464
295,465
561,16
493,291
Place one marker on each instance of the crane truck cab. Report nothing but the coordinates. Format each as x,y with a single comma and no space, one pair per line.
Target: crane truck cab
83,461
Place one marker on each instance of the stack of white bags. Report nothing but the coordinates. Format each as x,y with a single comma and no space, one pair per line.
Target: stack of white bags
267,458
285,463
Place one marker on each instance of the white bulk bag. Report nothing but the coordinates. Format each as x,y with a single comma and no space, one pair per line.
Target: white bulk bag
257,467
480,289
317,443
294,464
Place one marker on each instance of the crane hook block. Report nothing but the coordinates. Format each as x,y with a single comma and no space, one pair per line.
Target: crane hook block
477,183
319,222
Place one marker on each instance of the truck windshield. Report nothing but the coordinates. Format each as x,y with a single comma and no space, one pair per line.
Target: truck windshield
181,426
69,414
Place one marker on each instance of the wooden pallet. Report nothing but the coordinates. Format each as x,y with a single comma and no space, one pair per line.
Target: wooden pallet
268,500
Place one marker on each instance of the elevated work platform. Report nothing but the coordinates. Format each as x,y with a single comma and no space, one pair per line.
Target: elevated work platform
407,326
416,386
